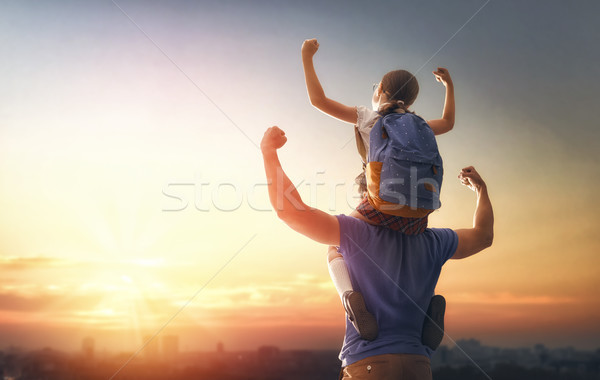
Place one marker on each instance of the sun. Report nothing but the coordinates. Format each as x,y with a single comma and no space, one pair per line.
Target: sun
129,297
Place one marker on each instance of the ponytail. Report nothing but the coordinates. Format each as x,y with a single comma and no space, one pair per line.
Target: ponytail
392,106
361,181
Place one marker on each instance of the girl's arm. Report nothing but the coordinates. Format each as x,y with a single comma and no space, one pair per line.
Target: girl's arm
315,90
446,123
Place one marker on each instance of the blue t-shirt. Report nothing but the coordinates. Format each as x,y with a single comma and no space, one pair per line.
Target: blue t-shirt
396,274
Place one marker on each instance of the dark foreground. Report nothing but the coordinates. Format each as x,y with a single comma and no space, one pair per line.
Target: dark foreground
471,362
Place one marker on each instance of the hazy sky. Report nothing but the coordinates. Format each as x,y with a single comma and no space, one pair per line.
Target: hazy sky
132,189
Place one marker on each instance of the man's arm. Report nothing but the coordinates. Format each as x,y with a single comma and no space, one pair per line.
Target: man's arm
315,224
481,236
446,123
315,90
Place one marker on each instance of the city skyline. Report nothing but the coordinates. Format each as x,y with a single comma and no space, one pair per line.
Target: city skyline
167,347
468,360
132,190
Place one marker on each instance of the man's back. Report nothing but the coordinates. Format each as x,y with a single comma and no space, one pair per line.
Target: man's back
345,232
397,275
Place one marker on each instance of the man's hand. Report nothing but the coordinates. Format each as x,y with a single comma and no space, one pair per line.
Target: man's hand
273,139
481,236
471,179
442,75
309,48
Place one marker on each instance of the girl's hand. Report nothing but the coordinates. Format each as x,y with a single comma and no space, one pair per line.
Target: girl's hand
273,139
309,48
442,75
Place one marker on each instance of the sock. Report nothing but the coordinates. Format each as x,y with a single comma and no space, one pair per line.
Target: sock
339,275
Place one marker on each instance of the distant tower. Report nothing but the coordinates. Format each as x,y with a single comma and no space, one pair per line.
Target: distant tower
87,347
220,348
170,347
152,349
268,353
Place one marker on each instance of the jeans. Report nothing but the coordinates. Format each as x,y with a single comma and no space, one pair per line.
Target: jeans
389,367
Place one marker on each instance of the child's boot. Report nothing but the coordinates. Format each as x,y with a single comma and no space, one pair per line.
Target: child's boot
363,321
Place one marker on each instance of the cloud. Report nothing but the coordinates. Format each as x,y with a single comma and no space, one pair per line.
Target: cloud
505,298
301,300
45,302
25,263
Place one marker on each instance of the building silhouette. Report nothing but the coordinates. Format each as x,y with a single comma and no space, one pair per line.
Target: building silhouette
152,348
220,348
170,347
87,348
468,360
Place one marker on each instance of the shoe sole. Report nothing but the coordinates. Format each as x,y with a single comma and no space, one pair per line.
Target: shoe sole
363,321
433,327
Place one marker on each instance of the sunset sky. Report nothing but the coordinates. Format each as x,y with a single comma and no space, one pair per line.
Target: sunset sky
132,191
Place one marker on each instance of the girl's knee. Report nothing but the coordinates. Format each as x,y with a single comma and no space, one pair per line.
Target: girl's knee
332,253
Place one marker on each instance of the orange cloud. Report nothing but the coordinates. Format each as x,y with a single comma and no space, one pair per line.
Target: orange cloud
25,263
506,298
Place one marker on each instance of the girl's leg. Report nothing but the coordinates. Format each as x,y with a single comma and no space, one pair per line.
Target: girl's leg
338,271
363,321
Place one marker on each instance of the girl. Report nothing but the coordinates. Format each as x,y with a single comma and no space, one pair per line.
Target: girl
396,92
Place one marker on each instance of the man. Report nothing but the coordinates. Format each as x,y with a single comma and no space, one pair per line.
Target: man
397,273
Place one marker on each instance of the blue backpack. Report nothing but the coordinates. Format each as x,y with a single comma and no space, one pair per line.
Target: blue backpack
404,170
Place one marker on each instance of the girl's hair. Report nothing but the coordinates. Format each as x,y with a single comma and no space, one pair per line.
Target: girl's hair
401,88
361,181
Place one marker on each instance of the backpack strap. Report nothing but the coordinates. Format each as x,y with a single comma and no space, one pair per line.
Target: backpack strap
360,145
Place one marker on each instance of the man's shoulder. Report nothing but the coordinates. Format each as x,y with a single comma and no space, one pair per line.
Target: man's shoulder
441,234
441,231
444,241
352,222
354,226
354,232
